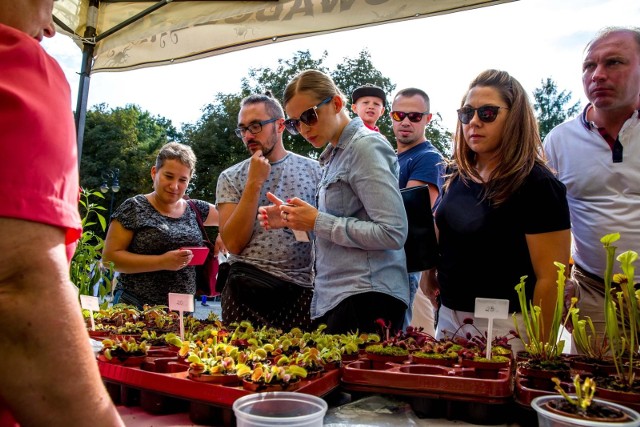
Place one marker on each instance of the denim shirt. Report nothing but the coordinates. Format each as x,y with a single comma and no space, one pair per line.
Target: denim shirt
361,226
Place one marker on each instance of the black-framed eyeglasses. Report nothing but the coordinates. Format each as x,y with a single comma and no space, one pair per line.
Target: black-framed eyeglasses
486,113
414,117
308,117
254,128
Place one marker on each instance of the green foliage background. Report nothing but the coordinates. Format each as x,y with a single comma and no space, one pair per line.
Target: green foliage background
551,106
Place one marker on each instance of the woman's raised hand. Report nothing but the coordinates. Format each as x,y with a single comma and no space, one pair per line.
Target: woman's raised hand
298,214
270,216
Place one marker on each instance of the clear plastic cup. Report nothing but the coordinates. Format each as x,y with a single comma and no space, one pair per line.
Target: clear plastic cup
280,408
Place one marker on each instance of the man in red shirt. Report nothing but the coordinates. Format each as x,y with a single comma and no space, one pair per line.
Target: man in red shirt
48,374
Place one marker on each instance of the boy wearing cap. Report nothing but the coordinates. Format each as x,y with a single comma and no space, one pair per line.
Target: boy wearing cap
368,103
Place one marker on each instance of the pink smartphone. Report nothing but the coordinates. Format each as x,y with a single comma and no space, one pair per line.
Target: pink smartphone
199,254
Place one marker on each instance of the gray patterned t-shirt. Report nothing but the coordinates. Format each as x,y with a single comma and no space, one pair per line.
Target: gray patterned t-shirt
275,251
155,234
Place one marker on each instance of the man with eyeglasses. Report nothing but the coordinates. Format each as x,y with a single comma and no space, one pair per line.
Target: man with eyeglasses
48,375
420,164
269,281
597,157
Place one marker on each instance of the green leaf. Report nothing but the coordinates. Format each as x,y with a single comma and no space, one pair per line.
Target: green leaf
103,223
608,239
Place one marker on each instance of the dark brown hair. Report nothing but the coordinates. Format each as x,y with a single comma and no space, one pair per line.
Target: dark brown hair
520,147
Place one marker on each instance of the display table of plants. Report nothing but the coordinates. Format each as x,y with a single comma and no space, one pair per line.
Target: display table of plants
144,362
449,378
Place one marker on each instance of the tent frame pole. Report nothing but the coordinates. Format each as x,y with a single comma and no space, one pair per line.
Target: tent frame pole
88,46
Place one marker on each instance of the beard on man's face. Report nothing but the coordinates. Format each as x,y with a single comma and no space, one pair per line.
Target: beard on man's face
264,146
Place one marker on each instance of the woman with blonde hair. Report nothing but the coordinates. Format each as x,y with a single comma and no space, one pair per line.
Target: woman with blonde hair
360,225
503,214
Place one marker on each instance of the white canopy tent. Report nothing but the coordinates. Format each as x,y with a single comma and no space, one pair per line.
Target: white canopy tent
120,35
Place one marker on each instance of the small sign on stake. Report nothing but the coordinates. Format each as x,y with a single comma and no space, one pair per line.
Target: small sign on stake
488,308
92,304
181,303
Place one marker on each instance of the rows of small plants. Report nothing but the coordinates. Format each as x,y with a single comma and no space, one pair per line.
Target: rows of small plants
242,353
237,353
221,353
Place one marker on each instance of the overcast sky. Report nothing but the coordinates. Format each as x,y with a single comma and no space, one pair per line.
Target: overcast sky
531,39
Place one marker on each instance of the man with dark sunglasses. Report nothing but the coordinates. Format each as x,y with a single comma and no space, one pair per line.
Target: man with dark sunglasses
258,257
597,157
420,164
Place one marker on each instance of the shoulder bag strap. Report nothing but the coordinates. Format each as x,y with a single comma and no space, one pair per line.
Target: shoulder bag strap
199,219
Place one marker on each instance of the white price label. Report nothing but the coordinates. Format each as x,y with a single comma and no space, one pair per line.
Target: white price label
487,308
89,303
181,302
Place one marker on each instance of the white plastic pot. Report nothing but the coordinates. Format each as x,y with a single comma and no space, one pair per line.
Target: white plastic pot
547,418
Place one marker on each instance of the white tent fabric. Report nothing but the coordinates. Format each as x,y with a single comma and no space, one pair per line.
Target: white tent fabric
120,35
179,31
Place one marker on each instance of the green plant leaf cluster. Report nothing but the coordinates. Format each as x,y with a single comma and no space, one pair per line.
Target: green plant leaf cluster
387,350
123,348
87,268
621,315
586,338
622,318
536,345
584,390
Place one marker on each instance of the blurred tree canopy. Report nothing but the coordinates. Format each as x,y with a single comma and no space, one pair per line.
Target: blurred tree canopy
129,139
124,138
215,144
439,136
551,106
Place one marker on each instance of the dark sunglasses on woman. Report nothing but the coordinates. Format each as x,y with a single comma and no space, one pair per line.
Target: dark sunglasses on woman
486,113
414,117
308,117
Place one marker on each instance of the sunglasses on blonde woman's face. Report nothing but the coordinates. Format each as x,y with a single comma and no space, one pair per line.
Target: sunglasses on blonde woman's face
308,117
486,113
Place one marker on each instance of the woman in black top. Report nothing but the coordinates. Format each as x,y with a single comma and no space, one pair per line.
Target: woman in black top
503,214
